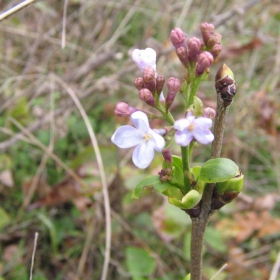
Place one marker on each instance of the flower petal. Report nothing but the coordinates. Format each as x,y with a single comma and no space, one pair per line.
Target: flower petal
203,136
140,121
183,138
126,137
181,124
157,141
143,154
205,123
144,58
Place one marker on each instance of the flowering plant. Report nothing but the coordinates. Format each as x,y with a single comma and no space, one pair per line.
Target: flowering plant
197,190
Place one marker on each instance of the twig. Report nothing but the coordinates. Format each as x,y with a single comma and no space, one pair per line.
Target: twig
16,8
102,175
199,223
219,271
33,255
275,269
64,24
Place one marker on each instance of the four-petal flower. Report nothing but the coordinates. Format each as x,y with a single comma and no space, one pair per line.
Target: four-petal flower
191,128
142,136
145,58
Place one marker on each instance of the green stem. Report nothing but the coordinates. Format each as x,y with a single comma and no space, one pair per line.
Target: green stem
186,166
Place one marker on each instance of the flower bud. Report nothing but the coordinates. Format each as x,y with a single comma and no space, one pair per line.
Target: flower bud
213,40
209,113
216,50
167,156
182,54
194,48
124,110
159,83
149,79
226,191
139,83
225,84
178,37
173,85
207,30
146,95
204,60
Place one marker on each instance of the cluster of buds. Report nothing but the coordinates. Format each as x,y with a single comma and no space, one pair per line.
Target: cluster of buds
194,52
225,84
150,87
211,39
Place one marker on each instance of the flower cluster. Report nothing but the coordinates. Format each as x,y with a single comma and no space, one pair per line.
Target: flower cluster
150,86
194,52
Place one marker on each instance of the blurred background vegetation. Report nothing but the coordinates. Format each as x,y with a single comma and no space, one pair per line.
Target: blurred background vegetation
43,136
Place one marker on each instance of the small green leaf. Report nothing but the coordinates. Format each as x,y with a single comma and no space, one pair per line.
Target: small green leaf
233,185
149,181
190,200
198,107
218,170
139,262
196,171
177,172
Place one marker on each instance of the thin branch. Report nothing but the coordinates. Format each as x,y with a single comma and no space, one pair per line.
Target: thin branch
102,175
16,8
64,21
33,255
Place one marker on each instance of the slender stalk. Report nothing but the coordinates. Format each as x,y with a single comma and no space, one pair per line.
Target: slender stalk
199,223
186,166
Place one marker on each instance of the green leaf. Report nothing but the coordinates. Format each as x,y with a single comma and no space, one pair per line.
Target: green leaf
154,181
218,170
198,107
139,262
177,172
232,185
188,201
4,218
149,181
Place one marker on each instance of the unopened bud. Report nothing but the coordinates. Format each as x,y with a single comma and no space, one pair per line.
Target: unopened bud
139,83
194,48
159,83
207,30
147,96
178,38
225,84
149,79
167,156
209,113
216,50
204,60
124,110
183,55
173,85
213,40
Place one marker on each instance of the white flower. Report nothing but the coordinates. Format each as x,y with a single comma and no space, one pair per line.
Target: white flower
145,58
142,136
191,128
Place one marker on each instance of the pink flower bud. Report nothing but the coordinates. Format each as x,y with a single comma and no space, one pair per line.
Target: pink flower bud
207,30
214,39
139,83
194,48
173,86
167,155
182,54
209,113
149,79
216,50
178,37
148,74
204,60
124,110
159,83
147,96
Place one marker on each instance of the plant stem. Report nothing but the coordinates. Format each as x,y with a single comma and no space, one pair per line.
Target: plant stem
186,166
199,223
